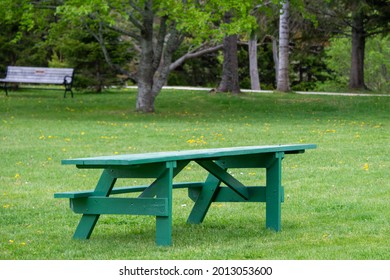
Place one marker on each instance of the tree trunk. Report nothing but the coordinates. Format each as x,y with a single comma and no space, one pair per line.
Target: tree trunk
145,100
283,78
276,58
155,60
229,81
356,79
253,68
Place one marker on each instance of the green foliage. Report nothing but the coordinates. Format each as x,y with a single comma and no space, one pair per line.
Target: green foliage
204,19
77,48
18,12
377,64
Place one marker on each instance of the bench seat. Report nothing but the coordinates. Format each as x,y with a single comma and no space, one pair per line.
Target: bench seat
122,190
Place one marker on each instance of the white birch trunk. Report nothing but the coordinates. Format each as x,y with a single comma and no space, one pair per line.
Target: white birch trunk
275,56
283,79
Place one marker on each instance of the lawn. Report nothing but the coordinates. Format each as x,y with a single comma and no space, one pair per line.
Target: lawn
336,196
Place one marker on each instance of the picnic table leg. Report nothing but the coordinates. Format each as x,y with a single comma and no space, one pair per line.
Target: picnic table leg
204,200
164,223
274,192
86,225
88,222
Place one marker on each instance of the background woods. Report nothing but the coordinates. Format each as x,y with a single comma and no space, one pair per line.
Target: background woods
218,44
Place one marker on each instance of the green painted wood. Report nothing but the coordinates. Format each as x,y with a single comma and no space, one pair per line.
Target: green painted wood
225,177
122,190
164,223
256,194
134,159
151,170
87,222
273,193
247,161
85,227
155,187
204,200
117,205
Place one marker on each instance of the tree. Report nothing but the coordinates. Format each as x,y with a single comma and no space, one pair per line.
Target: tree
229,81
367,18
156,28
283,67
253,68
357,20
23,33
376,66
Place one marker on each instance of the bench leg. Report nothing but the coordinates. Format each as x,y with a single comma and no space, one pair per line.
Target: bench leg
66,90
164,223
68,87
274,193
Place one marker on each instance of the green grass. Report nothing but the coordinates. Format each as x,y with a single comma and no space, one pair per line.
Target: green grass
336,197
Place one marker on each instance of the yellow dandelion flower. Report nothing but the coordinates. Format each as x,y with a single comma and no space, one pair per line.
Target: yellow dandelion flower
17,176
365,166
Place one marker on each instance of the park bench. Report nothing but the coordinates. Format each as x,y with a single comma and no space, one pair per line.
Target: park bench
39,75
156,199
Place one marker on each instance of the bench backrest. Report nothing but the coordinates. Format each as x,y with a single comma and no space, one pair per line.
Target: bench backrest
39,75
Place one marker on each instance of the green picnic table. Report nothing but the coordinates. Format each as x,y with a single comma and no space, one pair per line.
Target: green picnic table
156,199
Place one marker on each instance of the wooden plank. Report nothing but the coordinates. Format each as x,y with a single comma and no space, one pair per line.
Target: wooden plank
273,193
133,159
204,199
110,205
247,161
122,190
164,222
88,222
256,194
152,170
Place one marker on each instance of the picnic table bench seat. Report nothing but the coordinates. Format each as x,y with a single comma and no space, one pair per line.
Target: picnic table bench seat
156,199
39,75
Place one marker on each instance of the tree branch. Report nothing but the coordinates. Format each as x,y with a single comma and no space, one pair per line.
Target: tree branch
194,54
125,32
99,38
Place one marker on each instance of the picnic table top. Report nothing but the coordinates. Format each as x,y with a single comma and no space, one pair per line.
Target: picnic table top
156,157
